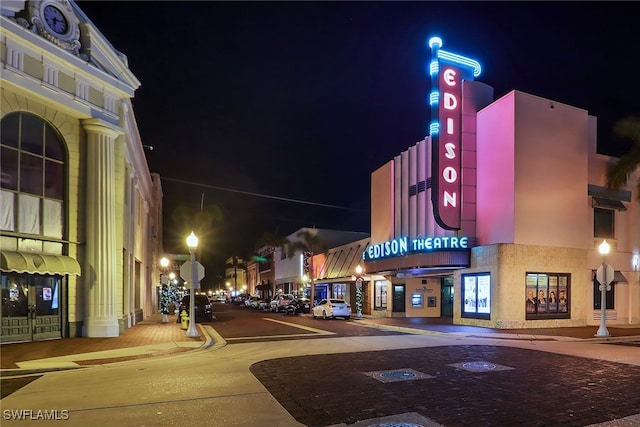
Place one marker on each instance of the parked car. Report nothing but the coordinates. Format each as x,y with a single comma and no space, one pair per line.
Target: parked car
279,302
240,298
222,298
249,301
202,308
298,305
331,308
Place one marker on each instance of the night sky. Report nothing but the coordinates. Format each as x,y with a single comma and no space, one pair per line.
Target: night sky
271,116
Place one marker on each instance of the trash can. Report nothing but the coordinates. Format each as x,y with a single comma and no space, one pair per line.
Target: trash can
184,320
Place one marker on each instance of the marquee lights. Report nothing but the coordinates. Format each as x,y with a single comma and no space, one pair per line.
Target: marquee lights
448,71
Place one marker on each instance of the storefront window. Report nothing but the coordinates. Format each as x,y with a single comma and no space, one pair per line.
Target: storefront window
339,290
476,295
380,297
547,296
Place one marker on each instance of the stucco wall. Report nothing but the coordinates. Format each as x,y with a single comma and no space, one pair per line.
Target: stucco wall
508,265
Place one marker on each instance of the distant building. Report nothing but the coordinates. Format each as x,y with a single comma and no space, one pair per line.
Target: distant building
80,213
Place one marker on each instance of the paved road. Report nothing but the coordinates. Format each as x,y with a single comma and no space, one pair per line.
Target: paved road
425,378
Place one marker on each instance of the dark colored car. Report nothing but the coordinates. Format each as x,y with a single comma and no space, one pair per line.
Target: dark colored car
299,305
202,308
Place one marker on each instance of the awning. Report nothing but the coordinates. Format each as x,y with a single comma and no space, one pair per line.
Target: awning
33,263
601,202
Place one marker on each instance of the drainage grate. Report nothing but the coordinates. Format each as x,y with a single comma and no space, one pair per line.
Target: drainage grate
395,425
480,366
397,375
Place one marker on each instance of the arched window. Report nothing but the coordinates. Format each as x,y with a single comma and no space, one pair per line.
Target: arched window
32,181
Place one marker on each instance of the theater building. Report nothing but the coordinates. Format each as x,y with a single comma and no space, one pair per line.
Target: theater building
80,212
505,199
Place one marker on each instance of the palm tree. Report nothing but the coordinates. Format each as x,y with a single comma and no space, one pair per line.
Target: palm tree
618,173
310,242
272,241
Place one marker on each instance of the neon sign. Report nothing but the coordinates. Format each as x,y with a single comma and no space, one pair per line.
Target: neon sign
402,246
447,70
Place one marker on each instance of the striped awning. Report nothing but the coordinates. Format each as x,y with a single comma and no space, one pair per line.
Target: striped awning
35,263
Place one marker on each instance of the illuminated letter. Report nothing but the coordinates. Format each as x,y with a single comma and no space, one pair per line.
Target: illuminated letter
450,101
450,149
449,77
403,245
449,199
449,126
450,174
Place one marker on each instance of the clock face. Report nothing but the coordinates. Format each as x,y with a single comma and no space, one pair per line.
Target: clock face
55,19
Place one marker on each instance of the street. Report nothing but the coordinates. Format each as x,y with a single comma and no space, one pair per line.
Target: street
268,369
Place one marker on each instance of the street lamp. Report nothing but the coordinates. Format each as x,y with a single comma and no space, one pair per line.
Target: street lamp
164,291
604,251
358,292
192,243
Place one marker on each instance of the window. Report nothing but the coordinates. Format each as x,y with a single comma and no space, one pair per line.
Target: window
547,296
610,297
603,223
380,295
339,290
476,295
32,180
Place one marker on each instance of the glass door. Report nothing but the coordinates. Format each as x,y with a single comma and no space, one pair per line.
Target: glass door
398,299
30,307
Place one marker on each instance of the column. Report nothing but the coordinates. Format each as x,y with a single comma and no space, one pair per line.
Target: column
101,278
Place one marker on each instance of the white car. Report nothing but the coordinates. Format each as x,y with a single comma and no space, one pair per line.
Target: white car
331,308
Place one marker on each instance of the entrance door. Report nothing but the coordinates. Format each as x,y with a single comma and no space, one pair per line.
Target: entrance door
398,299
447,297
30,307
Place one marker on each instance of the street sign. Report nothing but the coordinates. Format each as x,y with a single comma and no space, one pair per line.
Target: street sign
600,275
186,270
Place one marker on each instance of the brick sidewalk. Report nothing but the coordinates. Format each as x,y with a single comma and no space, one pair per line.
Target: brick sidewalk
538,388
150,331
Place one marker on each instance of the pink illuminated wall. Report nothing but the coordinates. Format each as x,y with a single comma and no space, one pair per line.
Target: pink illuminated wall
532,173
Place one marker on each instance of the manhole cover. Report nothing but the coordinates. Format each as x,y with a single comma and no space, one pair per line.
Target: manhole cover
480,366
401,375
397,375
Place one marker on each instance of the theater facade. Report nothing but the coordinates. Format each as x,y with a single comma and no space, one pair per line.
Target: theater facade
495,218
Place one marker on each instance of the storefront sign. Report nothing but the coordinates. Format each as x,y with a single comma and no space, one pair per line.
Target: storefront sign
403,246
447,71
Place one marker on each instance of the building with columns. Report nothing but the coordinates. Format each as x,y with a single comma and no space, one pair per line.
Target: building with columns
80,213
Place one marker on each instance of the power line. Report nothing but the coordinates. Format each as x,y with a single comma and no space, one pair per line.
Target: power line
266,196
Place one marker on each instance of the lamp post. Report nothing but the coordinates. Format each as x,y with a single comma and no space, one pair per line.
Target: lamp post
604,283
192,243
358,292
164,291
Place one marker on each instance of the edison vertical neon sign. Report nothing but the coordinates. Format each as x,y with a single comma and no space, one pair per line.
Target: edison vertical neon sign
447,71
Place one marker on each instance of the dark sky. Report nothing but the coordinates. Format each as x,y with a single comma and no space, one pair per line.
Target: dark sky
304,100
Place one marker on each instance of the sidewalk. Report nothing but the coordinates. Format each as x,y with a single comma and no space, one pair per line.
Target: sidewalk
152,338
148,338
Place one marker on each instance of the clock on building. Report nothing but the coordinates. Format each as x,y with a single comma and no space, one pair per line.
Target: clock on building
56,21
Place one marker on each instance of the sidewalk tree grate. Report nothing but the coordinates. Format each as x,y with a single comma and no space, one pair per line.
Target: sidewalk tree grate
397,375
480,366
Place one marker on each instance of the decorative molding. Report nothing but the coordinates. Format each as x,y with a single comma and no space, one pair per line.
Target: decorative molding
70,39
